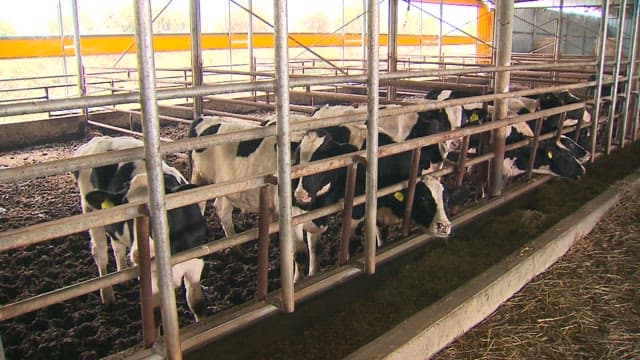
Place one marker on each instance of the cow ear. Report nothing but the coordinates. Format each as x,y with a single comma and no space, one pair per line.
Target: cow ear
101,199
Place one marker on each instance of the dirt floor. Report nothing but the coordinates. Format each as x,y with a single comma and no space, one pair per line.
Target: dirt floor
83,328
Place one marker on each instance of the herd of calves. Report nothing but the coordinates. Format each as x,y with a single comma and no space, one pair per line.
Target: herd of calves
116,184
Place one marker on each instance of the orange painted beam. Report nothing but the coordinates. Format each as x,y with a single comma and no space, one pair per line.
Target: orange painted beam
12,48
485,32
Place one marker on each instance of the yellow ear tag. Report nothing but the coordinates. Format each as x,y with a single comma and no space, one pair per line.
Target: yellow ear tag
399,196
107,203
550,155
474,117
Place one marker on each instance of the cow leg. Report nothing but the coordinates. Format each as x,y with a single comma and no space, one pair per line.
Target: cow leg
120,254
224,209
300,252
99,252
312,241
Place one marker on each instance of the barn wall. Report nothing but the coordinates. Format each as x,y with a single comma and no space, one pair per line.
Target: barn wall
580,32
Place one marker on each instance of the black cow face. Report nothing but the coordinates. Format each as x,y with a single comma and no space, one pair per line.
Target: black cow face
318,145
430,206
187,227
550,100
561,161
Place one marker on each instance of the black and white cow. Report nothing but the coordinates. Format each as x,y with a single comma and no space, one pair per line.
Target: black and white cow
551,100
328,187
551,158
111,185
236,160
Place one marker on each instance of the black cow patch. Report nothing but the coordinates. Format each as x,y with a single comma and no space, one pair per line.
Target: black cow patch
248,147
211,130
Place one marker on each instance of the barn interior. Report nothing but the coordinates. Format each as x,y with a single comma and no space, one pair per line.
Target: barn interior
268,61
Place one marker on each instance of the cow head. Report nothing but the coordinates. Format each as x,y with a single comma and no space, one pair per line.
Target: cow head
429,207
318,145
560,160
551,158
551,100
187,226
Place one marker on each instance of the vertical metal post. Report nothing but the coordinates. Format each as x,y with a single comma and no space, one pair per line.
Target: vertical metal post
252,62
392,45
558,35
373,100
62,47
636,86
440,31
284,156
229,33
344,33
347,214
82,87
196,54
534,33
363,37
630,73
157,206
616,72
144,269
505,20
411,191
597,95
262,286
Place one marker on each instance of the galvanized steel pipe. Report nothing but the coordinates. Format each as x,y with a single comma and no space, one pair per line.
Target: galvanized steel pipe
196,54
284,154
597,95
633,46
503,58
616,72
373,97
155,178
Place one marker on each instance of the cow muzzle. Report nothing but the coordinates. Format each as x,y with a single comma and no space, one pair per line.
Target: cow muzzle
302,197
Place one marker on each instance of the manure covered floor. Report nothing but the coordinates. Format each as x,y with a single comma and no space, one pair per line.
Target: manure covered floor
586,306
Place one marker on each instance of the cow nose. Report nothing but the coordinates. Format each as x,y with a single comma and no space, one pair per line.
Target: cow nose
443,229
302,197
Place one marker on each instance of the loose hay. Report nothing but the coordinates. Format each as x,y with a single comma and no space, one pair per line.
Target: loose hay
587,305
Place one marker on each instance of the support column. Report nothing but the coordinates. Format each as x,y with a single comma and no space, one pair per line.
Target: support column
155,178
373,100
284,154
616,72
633,45
597,95
504,15
392,45
196,54
82,86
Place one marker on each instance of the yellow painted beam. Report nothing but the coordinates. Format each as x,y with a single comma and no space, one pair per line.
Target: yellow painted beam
12,48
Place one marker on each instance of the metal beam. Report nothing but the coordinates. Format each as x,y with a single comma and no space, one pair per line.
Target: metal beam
597,95
504,15
616,72
196,54
631,67
373,99
155,178
284,155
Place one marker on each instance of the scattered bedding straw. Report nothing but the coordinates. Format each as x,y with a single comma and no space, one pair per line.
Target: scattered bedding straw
586,306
